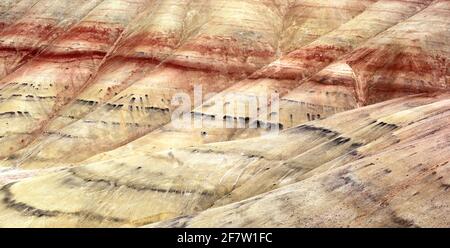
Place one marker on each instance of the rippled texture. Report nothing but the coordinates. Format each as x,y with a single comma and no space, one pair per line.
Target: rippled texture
86,104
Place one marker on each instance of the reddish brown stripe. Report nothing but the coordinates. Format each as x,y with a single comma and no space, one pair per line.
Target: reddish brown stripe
228,47
72,55
155,40
395,60
30,29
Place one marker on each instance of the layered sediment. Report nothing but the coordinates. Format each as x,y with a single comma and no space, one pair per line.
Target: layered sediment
224,113
36,90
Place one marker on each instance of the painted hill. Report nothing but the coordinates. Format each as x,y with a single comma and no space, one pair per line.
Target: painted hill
359,90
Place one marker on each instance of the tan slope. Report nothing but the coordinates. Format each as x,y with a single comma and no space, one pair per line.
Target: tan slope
146,188
36,90
7,4
307,20
10,11
403,185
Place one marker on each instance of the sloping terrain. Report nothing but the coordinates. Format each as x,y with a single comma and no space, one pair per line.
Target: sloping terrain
302,113
166,184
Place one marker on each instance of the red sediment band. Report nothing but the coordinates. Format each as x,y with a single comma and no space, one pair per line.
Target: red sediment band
278,72
401,88
160,43
331,79
14,50
118,58
71,55
30,29
301,63
226,48
395,60
22,53
49,55
393,71
102,35
146,60
202,67
326,54
152,40
381,93
229,47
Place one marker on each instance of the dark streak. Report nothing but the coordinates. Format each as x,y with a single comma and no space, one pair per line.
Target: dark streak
138,187
33,211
